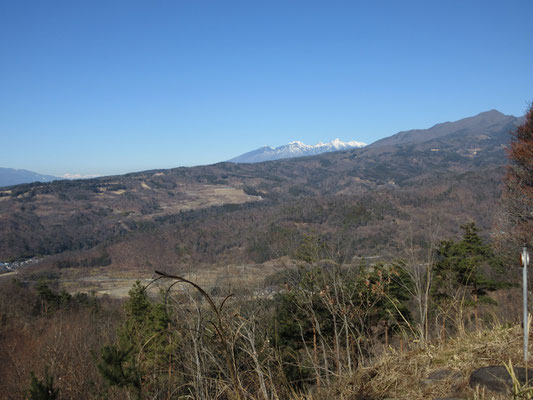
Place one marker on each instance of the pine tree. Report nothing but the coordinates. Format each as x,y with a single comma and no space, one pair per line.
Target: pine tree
467,269
43,390
144,348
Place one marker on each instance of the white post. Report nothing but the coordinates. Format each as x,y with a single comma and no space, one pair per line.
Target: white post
525,262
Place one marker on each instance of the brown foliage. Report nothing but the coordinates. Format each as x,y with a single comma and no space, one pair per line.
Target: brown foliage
64,342
518,194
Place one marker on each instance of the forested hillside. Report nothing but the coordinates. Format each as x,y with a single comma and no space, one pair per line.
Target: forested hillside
359,203
337,276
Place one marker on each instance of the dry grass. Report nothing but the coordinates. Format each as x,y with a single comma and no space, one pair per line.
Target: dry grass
100,281
236,278
401,374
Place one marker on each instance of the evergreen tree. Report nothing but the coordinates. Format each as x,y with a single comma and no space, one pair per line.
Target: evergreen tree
329,305
144,348
467,268
43,390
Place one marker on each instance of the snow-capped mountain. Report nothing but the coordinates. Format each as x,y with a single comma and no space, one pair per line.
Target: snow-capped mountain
294,149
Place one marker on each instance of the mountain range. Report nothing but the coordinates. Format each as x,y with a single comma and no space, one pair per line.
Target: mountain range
294,149
486,121
11,176
359,202
485,125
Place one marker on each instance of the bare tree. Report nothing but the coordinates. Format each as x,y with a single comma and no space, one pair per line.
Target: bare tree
418,264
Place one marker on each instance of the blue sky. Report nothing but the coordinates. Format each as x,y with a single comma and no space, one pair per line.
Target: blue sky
107,87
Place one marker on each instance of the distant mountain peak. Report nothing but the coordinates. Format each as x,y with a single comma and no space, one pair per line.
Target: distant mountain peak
12,176
493,112
295,148
482,123
490,116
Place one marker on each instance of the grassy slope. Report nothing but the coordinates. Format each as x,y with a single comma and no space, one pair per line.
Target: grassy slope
400,374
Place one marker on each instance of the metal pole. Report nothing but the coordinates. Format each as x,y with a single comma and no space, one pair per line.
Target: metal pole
525,261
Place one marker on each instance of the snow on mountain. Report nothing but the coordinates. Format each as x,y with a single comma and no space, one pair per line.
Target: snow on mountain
294,149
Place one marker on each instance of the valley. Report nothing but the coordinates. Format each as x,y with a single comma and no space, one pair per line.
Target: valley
273,200
312,266
92,234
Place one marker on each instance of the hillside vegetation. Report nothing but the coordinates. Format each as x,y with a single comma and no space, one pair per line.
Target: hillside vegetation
360,202
351,275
